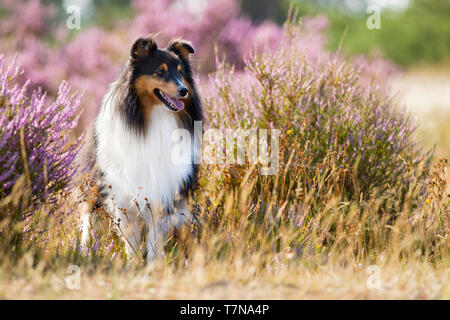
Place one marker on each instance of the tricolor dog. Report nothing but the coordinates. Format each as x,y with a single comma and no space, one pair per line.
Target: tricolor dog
128,153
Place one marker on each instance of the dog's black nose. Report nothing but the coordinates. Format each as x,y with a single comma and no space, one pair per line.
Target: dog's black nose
183,91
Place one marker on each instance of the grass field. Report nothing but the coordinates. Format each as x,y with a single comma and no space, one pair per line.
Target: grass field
364,256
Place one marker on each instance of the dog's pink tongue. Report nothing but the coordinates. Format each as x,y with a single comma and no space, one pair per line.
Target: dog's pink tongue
177,103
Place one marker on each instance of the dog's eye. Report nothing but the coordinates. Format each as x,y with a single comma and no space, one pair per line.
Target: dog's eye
161,73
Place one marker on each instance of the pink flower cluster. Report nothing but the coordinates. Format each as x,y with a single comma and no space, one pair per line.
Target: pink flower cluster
34,140
91,59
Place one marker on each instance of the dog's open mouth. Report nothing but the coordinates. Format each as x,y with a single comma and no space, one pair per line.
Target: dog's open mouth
172,103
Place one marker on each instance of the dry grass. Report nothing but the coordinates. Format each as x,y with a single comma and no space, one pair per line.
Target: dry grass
408,281
424,90
333,250
230,258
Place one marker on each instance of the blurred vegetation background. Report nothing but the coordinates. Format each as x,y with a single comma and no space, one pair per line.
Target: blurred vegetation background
412,31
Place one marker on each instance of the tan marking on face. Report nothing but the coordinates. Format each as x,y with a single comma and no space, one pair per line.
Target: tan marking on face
179,68
145,86
164,67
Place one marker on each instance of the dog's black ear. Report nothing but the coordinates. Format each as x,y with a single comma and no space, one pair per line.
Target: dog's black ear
142,48
181,47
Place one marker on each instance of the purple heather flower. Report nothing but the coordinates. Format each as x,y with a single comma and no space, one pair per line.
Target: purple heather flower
46,129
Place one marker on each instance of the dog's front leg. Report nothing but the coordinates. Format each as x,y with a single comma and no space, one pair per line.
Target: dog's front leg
127,225
85,210
157,229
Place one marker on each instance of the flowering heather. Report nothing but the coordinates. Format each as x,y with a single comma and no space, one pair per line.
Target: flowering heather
30,39
213,22
34,136
90,58
91,68
346,198
331,121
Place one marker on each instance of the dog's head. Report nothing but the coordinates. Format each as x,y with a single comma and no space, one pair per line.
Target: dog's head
161,74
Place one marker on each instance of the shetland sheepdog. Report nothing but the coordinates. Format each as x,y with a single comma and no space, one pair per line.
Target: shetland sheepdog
128,156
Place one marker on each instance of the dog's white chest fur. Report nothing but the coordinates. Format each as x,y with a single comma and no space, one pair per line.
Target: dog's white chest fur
140,167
